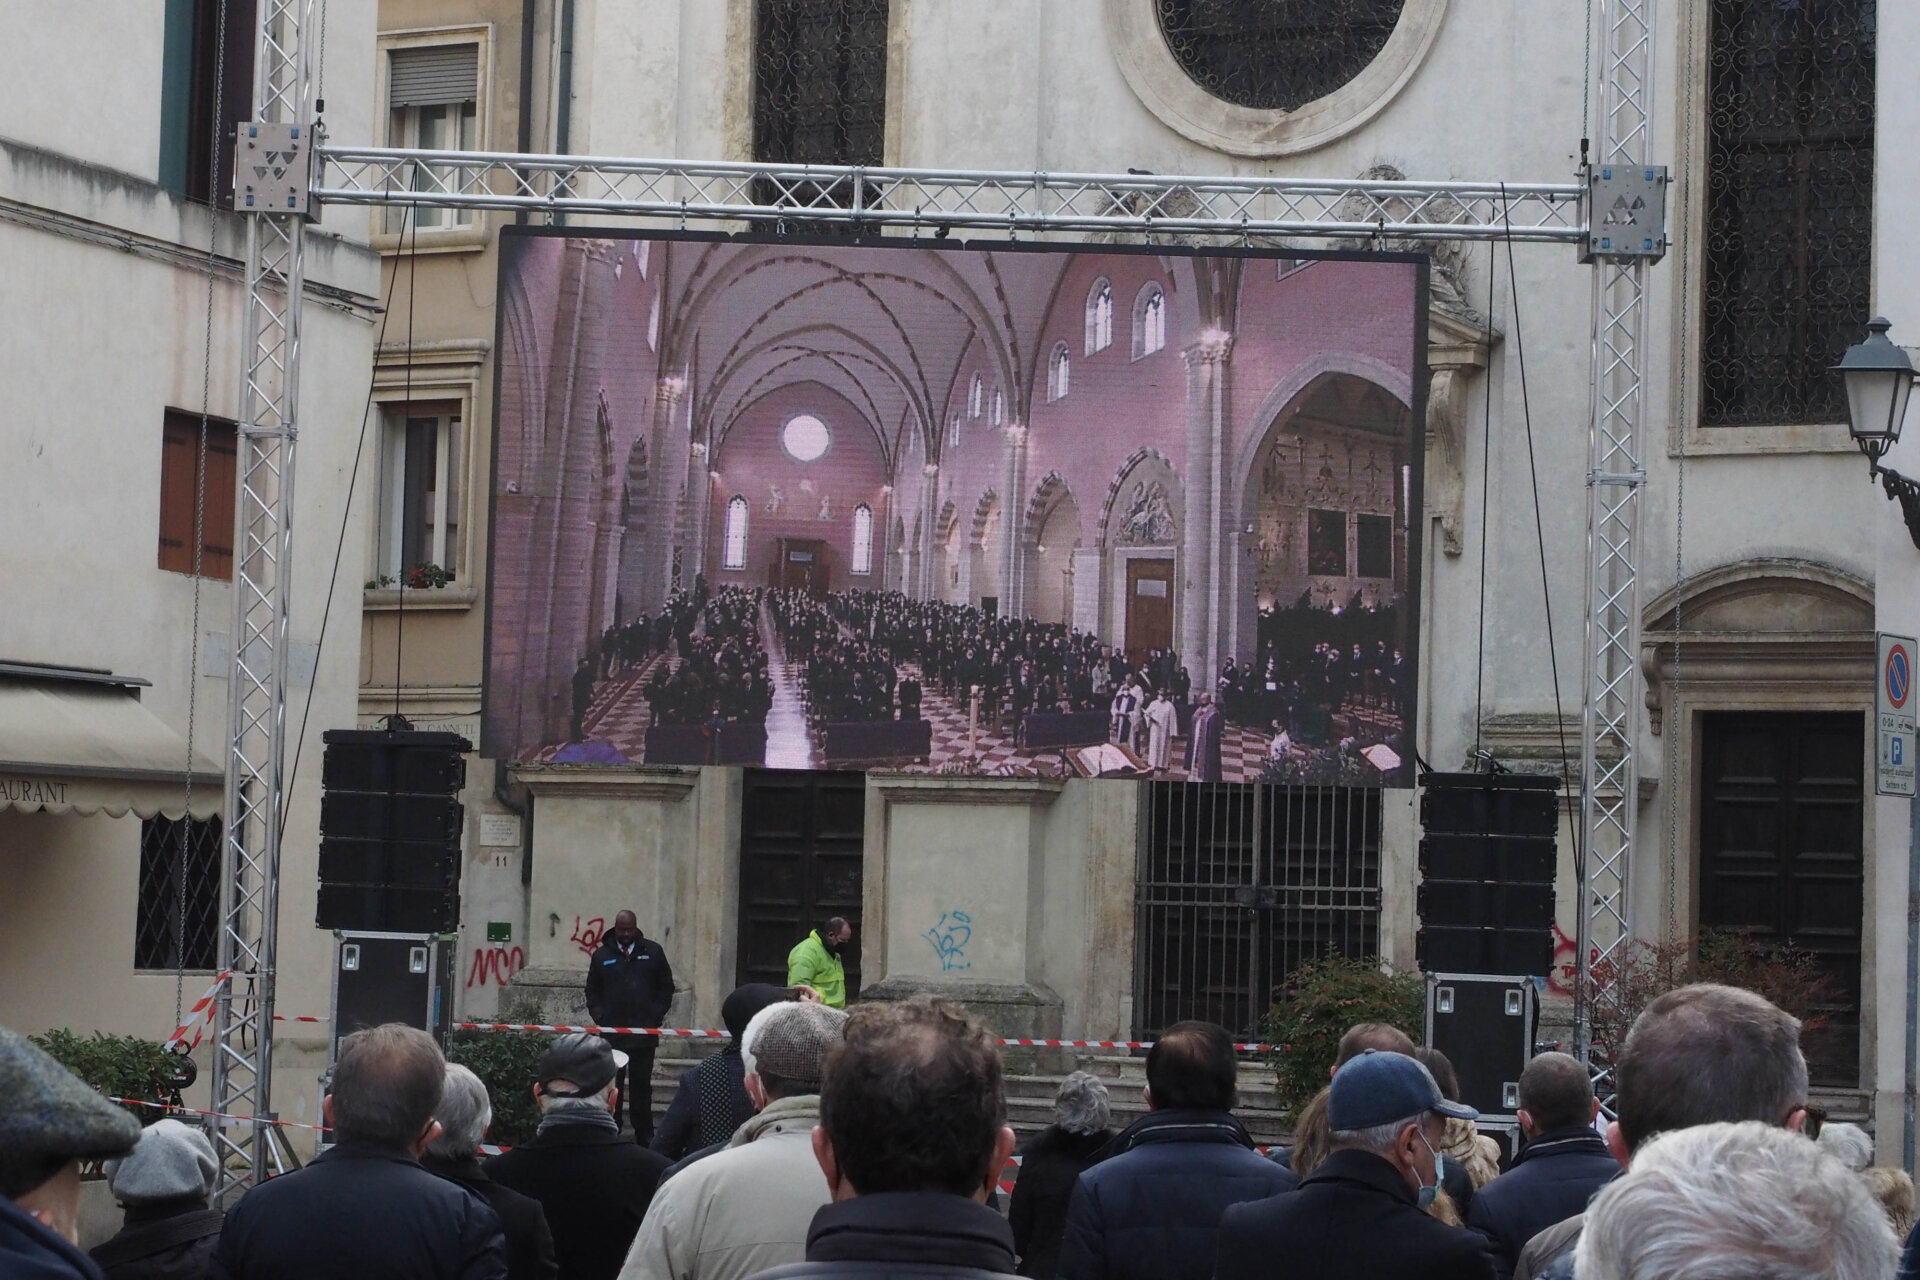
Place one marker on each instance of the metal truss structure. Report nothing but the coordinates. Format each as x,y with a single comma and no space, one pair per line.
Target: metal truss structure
934,202
241,1075
1609,758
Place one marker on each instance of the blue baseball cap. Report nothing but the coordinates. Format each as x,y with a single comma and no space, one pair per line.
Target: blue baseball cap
1378,1088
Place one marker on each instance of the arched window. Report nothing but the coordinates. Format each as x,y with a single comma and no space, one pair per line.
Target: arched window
1149,321
953,432
1058,373
976,397
863,539
1099,317
653,325
642,252
734,552
999,418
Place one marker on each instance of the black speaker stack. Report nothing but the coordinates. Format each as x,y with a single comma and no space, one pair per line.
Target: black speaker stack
390,821
1487,860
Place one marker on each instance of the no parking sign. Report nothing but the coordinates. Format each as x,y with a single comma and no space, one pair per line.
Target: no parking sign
1893,773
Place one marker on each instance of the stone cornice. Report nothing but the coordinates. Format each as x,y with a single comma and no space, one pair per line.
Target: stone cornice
927,788
628,782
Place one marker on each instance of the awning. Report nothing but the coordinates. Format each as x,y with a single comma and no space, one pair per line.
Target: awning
84,744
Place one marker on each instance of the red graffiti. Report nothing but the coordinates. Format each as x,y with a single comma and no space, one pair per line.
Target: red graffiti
495,964
1566,969
587,937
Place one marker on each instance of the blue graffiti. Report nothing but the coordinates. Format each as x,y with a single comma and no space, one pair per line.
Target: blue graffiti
949,939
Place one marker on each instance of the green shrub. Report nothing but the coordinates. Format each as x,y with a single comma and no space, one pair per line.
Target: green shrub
119,1067
1319,1001
506,1061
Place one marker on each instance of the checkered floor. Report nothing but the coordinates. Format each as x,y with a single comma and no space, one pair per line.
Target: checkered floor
619,717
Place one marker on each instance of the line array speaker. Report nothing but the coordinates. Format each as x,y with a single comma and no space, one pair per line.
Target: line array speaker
390,825
1487,861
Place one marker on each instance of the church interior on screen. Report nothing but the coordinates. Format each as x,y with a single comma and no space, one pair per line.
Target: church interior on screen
1001,510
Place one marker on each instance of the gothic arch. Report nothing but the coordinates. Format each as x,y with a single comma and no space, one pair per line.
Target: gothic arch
1047,495
983,518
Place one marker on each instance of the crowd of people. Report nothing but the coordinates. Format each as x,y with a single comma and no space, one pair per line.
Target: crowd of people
724,673
849,675
871,1142
1312,662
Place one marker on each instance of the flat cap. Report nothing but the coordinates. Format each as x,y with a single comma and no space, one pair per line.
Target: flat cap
791,1040
173,1160
49,1116
581,1059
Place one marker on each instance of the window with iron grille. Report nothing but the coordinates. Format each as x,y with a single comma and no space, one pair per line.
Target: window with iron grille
178,854
1275,54
1789,207
1238,884
819,90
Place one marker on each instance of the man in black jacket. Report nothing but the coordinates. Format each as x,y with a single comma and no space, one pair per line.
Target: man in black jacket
1359,1215
1149,1209
594,1184
1557,1172
630,984
364,1208
464,1113
913,1135
169,1232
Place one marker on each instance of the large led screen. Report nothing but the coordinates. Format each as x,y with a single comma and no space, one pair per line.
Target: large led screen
998,509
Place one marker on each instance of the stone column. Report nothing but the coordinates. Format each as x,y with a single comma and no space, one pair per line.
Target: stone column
930,510
662,478
1013,577
1198,636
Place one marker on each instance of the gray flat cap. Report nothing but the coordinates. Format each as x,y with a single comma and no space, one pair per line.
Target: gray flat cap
791,1041
173,1160
49,1116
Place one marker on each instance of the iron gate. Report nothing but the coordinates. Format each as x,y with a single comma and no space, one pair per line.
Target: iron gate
1238,884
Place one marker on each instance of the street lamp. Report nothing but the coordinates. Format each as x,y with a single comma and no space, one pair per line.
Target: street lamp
1879,378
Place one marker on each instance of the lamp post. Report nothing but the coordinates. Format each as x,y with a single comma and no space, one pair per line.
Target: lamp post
1879,379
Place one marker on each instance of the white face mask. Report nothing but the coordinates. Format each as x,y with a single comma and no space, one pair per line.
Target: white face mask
1427,1194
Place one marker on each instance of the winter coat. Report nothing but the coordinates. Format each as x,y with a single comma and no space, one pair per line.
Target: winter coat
362,1212
1150,1208
740,1211
1551,1180
811,964
629,986
1354,1218
595,1187
1053,1161
31,1251
167,1240
529,1244
904,1235
688,1125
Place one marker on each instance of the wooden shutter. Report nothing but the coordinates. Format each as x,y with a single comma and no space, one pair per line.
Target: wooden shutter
179,463
433,75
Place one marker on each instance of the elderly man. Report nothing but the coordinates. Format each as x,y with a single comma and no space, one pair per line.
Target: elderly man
1149,1211
1748,1200
50,1121
1695,1055
365,1208
912,1137
464,1113
630,984
1359,1215
1557,1172
594,1184
748,1207
168,1231
817,962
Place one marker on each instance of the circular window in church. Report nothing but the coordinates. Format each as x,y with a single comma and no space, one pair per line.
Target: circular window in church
805,438
1275,54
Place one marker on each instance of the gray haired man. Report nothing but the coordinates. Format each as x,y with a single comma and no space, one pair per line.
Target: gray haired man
464,1113
748,1208
1749,1200
1697,1055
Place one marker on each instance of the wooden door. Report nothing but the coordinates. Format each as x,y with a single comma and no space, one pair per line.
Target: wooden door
1781,855
802,836
1149,607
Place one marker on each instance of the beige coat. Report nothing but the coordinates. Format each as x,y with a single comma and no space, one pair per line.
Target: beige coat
739,1211
1473,1149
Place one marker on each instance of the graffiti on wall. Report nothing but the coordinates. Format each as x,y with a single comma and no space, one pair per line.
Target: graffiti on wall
495,965
587,934
949,937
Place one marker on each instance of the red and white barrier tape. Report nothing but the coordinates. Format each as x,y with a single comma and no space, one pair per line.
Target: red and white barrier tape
305,1017
197,1015
722,1035
217,1115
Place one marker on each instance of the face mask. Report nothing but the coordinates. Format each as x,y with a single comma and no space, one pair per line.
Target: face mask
1425,1197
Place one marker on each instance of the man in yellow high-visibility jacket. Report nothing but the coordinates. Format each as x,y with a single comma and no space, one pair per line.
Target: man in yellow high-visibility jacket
816,962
